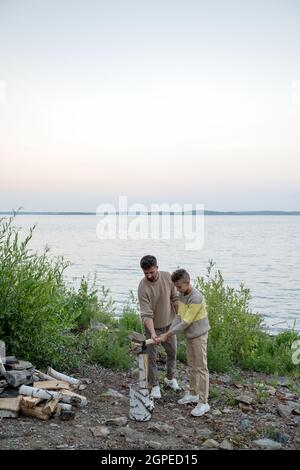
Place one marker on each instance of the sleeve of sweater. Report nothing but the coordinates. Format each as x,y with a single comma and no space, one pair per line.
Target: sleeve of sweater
144,303
188,314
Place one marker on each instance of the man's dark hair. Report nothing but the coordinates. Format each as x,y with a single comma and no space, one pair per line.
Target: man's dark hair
180,275
148,262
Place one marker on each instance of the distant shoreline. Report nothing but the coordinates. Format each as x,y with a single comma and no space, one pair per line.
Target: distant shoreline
194,212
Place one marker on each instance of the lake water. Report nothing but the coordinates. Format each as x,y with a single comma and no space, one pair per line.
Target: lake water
261,251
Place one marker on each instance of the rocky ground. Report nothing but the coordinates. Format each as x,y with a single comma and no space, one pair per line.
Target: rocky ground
248,411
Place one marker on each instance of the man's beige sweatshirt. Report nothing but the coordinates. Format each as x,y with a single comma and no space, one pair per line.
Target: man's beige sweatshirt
156,299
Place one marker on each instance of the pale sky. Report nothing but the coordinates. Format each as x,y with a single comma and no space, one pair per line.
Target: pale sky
159,100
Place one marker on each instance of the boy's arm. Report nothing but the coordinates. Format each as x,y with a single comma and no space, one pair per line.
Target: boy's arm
191,313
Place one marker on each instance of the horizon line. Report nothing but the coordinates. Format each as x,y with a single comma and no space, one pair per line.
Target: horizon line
135,213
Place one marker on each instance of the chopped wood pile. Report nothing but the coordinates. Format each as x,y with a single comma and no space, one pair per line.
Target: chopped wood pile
27,391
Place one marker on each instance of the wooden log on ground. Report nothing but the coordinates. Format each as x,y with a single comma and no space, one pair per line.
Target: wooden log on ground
66,396
2,368
63,406
36,412
10,360
37,393
29,402
10,407
41,375
141,405
15,378
65,412
51,407
73,398
52,385
21,365
65,378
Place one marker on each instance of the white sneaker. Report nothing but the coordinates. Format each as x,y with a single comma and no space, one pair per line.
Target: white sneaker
200,409
188,398
155,392
173,384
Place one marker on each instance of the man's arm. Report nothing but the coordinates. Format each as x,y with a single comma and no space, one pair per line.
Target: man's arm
148,322
146,313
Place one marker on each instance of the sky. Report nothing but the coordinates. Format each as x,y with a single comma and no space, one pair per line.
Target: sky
160,101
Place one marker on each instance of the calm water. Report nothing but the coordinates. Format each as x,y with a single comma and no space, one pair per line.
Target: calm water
263,252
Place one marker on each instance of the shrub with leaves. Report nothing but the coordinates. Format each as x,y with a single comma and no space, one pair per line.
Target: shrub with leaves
35,315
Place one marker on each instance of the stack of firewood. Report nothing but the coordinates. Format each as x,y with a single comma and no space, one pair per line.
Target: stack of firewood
28,391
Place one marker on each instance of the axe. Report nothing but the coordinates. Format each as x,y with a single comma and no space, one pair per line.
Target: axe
139,341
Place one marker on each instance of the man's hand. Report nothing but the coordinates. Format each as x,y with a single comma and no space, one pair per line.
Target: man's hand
149,325
154,336
162,338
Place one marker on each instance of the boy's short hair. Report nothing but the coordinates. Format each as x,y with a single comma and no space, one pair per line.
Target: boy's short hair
180,275
148,261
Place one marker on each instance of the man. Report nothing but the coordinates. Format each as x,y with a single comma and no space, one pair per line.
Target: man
158,305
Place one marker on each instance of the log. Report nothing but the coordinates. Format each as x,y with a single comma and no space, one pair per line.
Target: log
37,393
65,378
15,378
143,370
36,412
65,412
66,396
51,407
63,406
141,405
10,360
3,383
30,402
9,407
41,375
2,368
21,365
73,398
52,384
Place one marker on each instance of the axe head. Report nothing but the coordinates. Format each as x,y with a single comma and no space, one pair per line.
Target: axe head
139,342
137,337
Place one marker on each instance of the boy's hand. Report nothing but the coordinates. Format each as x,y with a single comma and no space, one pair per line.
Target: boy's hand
162,338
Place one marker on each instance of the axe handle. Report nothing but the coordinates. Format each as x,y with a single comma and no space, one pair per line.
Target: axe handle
149,341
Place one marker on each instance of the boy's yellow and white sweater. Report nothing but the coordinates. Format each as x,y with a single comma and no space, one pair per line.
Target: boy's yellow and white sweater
192,316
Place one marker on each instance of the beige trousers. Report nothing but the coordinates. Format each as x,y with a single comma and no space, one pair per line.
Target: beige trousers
197,362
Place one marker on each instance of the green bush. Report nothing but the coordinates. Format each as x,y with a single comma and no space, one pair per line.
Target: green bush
35,318
90,305
130,320
237,336
110,348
